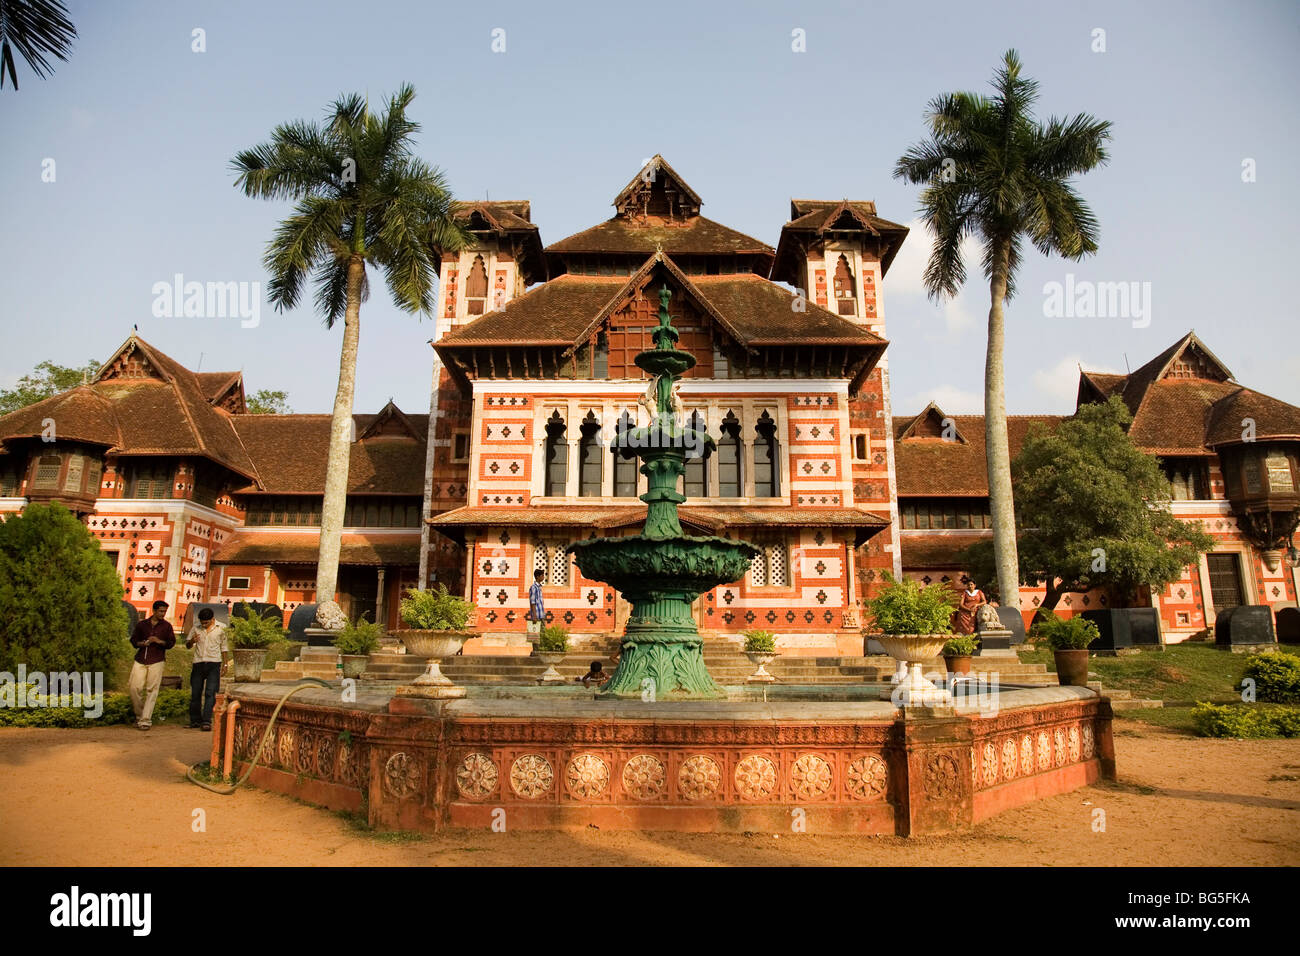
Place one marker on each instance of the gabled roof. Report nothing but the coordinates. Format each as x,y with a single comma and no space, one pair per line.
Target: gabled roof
950,468
690,237
218,386
1269,418
814,219
140,402
389,419
510,222
656,170
932,424
271,547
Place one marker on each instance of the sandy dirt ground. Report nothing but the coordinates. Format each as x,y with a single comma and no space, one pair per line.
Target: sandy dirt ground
114,796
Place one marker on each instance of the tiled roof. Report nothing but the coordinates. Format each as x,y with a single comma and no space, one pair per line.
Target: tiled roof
1172,416
934,549
261,547
694,236
291,453
1272,418
506,218
816,217
555,313
216,384
935,467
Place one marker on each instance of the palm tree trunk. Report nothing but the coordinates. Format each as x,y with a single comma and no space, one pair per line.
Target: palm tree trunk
336,468
997,451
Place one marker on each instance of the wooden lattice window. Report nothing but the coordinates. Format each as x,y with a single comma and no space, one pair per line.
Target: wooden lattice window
772,567
552,560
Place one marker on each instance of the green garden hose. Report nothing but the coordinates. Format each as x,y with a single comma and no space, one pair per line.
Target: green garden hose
302,684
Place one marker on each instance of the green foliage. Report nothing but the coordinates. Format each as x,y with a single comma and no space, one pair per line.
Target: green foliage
171,705
963,645
554,639
908,607
60,598
361,637
267,402
1276,676
759,642
1245,721
249,630
1065,634
1091,509
46,380
436,610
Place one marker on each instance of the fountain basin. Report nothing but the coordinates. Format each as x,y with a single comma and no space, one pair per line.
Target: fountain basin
641,564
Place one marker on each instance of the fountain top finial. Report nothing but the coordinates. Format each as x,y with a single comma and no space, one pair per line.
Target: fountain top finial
664,335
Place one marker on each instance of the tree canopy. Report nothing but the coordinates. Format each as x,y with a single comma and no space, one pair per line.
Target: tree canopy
45,380
60,597
1092,511
268,402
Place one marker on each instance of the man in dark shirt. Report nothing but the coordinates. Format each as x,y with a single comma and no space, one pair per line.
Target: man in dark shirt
152,638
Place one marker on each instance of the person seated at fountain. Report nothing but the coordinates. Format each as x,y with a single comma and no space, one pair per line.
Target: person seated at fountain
963,619
595,676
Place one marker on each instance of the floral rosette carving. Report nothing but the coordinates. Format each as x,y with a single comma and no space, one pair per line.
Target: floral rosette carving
699,777
644,777
588,776
326,749
401,775
1009,759
867,778
756,777
305,757
285,747
811,777
531,776
476,777
941,776
990,768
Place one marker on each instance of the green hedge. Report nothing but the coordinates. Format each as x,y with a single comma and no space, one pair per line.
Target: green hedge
1245,721
1276,677
172,705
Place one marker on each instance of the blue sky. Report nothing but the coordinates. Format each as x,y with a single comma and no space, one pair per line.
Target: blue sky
141,129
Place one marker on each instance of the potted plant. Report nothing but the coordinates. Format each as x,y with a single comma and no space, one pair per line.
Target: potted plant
437,626
252,635
912,622
552,645
1069,639
957,653
760,648
356,642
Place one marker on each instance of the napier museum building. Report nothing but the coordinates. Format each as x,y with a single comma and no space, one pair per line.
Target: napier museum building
195,500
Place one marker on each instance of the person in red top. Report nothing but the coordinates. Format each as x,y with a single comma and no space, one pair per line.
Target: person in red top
963,618
152,637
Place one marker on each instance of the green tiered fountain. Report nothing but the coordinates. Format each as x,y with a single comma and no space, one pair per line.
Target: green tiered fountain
662,570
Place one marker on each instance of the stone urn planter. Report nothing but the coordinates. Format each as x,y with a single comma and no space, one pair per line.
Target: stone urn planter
355,664
248,664
434,646
760,659
1072,667
550,659
915,651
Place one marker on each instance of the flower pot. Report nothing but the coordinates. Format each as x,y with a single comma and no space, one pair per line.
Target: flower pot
957,663
915,651
433,646
550,659
248,664
760,659
355,664
1072,667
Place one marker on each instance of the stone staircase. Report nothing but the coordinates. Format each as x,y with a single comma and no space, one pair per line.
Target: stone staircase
321,662
727,667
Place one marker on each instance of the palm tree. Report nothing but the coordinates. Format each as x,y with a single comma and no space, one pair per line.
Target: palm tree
35,28
992,171
361,199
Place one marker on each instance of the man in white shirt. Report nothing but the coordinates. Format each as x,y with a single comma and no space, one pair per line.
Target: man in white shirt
208,639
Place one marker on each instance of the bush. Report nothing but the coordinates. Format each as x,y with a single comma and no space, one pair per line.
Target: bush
963,645
1066,634
1276,677
255,630
907,607
436,610
759,642
170,705
1245,721
60,598
554,639
359,638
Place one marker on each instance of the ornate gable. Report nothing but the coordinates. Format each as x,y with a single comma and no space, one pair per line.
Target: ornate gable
657,191
933,424
1193,361
130,363
391,422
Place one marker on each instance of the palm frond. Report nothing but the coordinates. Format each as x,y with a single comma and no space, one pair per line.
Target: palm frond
37,29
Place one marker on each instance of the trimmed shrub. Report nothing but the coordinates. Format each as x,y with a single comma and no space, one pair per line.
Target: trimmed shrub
1276,676
1245,721
60,599
171,705
759,642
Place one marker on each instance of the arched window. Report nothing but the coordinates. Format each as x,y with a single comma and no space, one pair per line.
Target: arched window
696,483
625,469
845,293
600,357
557,456
476,286
590,458
731,472
767,481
